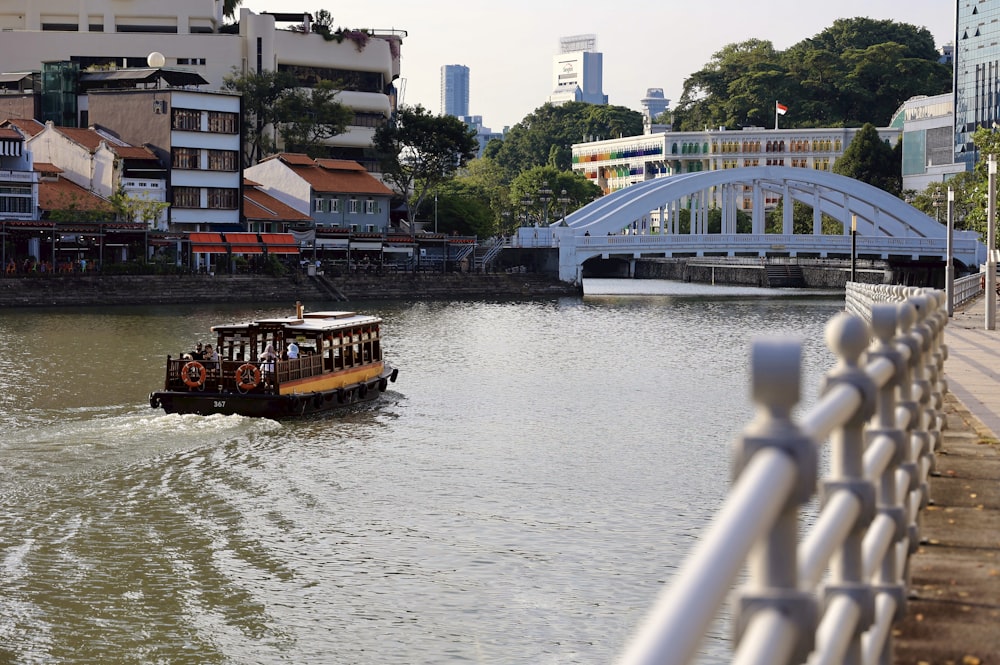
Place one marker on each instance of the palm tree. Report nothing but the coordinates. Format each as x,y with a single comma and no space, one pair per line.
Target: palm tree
229,7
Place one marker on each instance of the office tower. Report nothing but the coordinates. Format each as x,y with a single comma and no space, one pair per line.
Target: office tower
578,71
977,73
455,90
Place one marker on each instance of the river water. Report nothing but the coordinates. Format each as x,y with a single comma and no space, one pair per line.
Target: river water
520,495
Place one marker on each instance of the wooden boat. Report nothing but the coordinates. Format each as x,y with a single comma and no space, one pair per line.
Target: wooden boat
340,363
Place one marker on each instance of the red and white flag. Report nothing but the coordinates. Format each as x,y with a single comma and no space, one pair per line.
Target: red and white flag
780,108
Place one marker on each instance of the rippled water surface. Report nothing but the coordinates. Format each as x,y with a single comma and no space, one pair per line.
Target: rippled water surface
518,496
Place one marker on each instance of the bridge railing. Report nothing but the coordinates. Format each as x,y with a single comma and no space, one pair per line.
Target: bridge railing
831,592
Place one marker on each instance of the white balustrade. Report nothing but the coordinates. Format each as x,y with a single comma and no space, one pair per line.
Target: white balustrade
829,593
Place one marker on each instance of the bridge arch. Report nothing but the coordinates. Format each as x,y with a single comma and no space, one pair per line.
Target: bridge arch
642,219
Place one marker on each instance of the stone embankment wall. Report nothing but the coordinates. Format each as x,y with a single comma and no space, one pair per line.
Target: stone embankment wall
747,275
72,290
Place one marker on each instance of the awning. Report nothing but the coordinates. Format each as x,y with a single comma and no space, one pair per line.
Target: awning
280,243
332,242
366,245
397,250
244,243
207,243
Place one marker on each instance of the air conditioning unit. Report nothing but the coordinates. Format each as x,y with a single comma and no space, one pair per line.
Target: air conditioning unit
159,106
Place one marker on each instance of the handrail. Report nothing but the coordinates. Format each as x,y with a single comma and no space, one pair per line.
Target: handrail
829,593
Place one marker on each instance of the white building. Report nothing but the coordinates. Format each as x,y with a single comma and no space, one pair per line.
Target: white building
578,71
101,163
617,163
189,33
928,140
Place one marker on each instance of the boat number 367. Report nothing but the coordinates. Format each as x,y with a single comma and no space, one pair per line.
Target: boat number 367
220,404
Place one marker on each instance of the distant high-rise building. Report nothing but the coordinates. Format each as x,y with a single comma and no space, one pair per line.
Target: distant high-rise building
977,73
455,90
578,71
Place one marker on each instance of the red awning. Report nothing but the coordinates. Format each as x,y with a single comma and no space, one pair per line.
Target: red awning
280,243
244,243
207,243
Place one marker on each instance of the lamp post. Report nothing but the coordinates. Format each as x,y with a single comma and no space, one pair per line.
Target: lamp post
526,203
854,245
544,196
991,261
506,222
435,213
937,198
949,269
565,200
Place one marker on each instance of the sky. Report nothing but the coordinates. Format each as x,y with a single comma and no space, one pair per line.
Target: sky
508,46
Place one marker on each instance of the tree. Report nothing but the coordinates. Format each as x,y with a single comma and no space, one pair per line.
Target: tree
304,118
419,151
229,7
261,93
858,70
546,136
526,186
869,159
309,117
140,209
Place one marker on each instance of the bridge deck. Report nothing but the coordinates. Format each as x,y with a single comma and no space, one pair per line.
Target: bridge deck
956,572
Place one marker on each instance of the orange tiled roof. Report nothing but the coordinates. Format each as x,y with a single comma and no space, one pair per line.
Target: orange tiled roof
334,176
91,140
47,168
29,126
6,133
258,205
62,194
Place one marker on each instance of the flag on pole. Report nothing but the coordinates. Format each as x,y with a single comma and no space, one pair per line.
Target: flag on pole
780,108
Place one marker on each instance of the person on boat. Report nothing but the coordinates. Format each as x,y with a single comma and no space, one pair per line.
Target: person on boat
267,358
211,359
198,353
293,350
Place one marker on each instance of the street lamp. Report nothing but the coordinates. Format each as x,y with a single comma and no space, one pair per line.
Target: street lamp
565,200
949,269
937,198
854,245
544,195
526,203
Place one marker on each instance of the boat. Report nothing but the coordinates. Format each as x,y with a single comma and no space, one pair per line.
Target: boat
339,364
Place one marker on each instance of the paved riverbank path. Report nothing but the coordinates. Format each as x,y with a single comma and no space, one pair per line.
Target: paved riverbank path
953,613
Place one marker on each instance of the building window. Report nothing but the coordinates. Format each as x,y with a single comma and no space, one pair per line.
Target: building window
187,120
370,207
352,206
187,197
15,199
319,205
223,160
335,205
185,158
223,198
220,122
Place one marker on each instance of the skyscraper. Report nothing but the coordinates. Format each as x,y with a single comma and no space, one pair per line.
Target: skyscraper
578,71
455,90
977,73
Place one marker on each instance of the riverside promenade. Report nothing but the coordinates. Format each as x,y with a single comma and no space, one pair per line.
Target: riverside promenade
953,613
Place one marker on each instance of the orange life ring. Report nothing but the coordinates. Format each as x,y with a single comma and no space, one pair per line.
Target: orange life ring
190,370
247,377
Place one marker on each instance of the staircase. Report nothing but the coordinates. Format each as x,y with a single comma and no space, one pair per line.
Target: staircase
324,285
781,275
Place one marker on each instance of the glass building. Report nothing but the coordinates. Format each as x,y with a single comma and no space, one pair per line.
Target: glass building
977,73
455,90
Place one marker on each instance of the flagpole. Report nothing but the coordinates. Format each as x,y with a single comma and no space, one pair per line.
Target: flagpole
776,115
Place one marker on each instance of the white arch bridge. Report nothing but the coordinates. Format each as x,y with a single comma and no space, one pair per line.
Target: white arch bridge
642,221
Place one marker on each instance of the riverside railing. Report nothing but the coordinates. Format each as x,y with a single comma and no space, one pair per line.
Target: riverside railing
829,593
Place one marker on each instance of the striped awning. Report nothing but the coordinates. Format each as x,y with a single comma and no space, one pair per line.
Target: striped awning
244,243
207,243
280,243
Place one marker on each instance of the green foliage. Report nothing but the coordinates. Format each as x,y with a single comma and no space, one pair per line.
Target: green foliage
578,191
482,179
261,93
802,220
419,151
229,7
856,71
869,159
133,209
546,136
310,117
462,210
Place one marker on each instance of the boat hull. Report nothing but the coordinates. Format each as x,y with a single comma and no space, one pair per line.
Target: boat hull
261,405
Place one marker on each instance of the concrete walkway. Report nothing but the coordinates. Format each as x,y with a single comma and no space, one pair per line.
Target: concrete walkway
953,614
